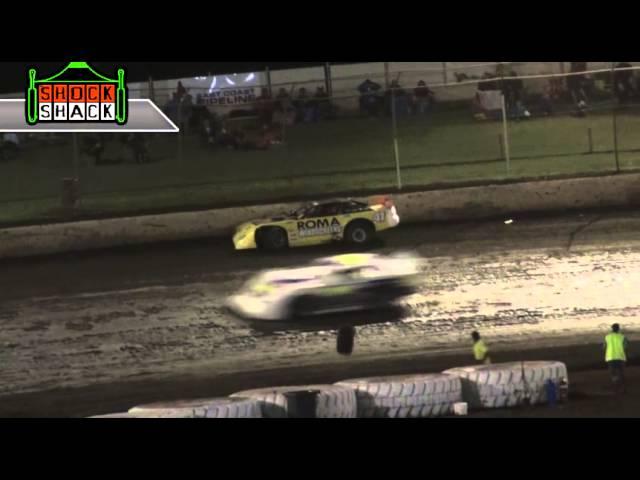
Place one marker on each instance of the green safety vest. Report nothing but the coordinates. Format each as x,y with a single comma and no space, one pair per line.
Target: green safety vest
615,343
480,350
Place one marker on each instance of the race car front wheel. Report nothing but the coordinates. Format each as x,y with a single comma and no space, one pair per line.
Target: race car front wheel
272,239
359,233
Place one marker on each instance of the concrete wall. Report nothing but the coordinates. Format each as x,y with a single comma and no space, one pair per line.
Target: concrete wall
437,205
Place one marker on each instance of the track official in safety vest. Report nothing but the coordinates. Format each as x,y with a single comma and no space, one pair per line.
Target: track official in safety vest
615,347
480,349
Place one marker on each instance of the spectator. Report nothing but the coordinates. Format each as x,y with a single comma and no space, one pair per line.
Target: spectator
576,84
94,147
264,107
512,90
171,108
623,83
488,84
370,97
210,127
424,98
283,101
229,139
401,99
461,77
546,100
284,113
10,146
12,140
323,104
186,113
301,105
180,91
138,145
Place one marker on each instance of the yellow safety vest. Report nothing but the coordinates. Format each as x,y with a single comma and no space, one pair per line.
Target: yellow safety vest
615,347
480,350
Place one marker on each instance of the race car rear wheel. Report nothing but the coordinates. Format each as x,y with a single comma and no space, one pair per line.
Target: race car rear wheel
272,238
359,233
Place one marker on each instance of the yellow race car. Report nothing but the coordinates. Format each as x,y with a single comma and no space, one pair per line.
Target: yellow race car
320,222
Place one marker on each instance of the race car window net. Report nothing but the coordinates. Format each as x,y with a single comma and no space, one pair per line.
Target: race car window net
304,210
354,206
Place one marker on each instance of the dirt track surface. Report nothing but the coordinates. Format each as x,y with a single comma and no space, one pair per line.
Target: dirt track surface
102,332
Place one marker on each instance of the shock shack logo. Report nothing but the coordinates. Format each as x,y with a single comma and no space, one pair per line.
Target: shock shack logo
76,94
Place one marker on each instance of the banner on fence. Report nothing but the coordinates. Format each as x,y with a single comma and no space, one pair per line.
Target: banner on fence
228,97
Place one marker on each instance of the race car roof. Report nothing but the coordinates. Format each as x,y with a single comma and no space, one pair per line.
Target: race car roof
335,200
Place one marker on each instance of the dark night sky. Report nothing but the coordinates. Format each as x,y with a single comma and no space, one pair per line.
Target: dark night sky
13,74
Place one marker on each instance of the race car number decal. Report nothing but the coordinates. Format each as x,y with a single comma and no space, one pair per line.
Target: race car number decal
310,228
379,217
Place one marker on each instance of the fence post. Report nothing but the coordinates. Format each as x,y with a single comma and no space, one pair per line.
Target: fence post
76,159
444,72
386,75
327,79
269,86
396,150
152,92
615,116
590,138
505,134
180,131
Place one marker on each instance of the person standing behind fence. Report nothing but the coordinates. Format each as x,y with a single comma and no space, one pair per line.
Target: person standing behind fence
623,82
399,96
424,98
576,84
180,91
324,108
301,105
369,99
264,107
615,347
480,349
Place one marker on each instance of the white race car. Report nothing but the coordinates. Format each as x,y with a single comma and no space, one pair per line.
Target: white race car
328,285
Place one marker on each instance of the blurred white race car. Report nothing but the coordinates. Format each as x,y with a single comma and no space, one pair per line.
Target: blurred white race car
328,285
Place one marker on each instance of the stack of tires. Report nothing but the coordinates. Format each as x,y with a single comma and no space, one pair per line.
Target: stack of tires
509,384
203,408
406,396
113,415
331,401
403,396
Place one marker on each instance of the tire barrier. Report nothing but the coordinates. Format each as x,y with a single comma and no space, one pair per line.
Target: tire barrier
203,408
406,396
332,401
509,384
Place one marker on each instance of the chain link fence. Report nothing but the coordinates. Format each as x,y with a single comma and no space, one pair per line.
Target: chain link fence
333,131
